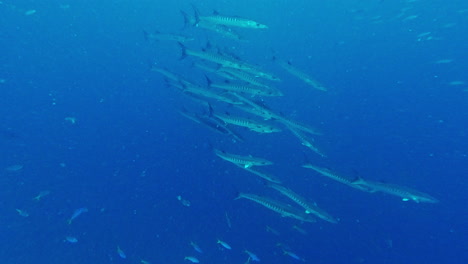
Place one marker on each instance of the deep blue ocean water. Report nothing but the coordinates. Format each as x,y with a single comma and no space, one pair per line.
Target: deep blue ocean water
396,110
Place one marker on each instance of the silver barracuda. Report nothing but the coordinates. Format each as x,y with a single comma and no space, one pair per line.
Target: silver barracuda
296,125
301,75
405,193
260,174
327,173
223,31
305,140
229,21
244,161
248,123
310,208
283,209
248,89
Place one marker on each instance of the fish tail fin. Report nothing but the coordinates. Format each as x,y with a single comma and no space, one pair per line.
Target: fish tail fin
186,19
196,16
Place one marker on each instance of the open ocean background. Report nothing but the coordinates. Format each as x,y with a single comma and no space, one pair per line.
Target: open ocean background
393,112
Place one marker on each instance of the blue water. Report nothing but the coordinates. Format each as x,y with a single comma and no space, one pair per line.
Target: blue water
391,114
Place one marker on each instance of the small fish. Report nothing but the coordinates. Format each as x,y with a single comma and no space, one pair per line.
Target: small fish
30,12
22,213
71,239
77,213
292,255
244,161
252,256
15,168
121,253
196,247
40,195
192,259
224,244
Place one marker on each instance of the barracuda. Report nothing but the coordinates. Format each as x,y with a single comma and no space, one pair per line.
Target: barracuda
309,207
283,209
244,161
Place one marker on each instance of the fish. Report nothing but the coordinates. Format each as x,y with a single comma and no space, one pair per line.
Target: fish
224,244
241,74
310,208
71,239
157,36
300,75
405,193
293,255
283,209
244,161
229,21
306,141
292,124
192,259
217,58
41,195
262,175
15,168
252,256
212,123
327,173
248,89
22,213
223,31
250,124
196,247
77,213
121,253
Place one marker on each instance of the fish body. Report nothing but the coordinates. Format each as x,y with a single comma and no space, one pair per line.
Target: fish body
41,195
121,253
301,75
252,256
192,259
224,244
310,208
260,174
229,21
77,213
283,209
405,193
327,173
252,125
244,161
196,247
71,239
305,140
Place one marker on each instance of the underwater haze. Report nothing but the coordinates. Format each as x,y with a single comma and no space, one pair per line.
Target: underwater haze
280,131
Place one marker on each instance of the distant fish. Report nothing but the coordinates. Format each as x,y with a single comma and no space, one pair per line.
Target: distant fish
22,213
30,12
121,253
71,239
196,247
14,168
224,244
77,213
192,259
228,21
41,195
252,256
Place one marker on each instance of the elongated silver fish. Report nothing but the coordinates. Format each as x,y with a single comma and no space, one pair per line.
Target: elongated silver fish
305,140
283,209
230,21
301,75
405,193
245,161
260,174
253,125
327,173
311,208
